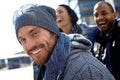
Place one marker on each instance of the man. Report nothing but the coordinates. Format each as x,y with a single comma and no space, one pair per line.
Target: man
60,56
109,37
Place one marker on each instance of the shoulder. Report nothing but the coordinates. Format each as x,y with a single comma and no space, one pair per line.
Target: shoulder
93,28
91,66
118,22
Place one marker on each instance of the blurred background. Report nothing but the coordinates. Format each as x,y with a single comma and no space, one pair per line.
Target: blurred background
14,62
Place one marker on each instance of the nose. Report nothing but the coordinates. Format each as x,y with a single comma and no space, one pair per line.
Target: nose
30,44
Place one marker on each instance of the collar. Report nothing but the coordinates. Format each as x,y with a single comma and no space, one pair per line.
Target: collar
58,58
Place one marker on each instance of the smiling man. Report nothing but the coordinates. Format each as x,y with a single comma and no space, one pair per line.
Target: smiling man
109,37
59,56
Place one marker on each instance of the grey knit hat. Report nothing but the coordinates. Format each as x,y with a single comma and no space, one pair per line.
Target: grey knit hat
41,16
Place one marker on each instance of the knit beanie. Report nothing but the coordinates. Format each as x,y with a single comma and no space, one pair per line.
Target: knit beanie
40,16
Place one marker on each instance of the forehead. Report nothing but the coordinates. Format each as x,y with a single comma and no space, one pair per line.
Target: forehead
102,7
60,8
27,29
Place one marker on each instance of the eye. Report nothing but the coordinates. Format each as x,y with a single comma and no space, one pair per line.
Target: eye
35,33
22,41
60,11
95,15
104,13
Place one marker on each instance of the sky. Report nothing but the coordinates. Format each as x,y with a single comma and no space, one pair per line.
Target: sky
8,41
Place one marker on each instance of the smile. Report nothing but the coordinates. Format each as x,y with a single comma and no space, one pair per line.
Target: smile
37,51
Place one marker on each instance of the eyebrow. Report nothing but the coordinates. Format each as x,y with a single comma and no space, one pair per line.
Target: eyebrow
31,30
19,37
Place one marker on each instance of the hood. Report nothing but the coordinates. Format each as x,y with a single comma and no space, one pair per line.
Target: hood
78,41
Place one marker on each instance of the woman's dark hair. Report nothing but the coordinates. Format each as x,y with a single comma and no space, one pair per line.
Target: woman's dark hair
71,12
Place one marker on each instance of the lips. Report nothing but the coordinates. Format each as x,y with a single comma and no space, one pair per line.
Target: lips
102,24
59,20
36,52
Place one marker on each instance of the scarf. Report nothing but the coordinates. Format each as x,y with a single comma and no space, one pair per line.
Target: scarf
76,29
58,58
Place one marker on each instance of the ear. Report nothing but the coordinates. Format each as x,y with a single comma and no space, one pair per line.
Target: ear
114,14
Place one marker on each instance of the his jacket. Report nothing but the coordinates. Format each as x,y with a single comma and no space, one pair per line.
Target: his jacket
81,65
71,60
110,46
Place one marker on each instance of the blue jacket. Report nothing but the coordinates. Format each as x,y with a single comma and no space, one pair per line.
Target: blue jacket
71,60
90,33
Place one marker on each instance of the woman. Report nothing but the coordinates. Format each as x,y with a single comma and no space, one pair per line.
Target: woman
67,19
67,22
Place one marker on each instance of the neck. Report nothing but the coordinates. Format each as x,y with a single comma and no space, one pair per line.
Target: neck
67,28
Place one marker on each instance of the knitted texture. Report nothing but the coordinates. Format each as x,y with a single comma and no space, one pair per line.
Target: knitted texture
41,16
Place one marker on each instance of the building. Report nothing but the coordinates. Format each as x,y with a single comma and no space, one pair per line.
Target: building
18,60
84,9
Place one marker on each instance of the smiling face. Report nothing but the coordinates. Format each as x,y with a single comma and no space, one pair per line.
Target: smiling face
37,42
63,18
103,16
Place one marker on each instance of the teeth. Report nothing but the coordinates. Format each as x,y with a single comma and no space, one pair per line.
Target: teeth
58,20
101,22
37,51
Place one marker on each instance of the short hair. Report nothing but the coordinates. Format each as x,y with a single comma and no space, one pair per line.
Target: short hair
111,7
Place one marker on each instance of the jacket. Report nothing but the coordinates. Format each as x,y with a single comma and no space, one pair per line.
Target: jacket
88,32
36,68
71,60
110,46
81,64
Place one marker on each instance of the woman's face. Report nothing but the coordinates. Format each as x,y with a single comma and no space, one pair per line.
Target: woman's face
63,18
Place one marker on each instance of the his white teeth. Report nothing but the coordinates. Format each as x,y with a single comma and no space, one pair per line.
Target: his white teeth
37,51
101,22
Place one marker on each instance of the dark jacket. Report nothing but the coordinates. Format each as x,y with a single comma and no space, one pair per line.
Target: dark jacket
110,46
